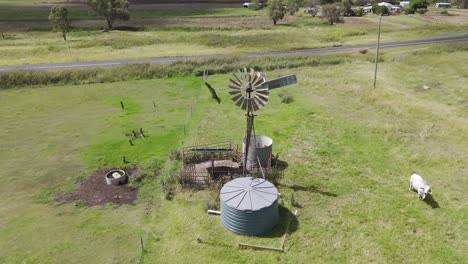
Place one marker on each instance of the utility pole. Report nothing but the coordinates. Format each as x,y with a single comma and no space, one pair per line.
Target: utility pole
377,52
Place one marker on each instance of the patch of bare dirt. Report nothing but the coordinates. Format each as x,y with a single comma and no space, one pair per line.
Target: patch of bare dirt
454,17
358,21
95,191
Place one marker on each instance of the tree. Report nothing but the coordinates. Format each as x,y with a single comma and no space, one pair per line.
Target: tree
361,2
276,10
383,10
110,9
58,17
255,5
293,6
332,13
347,7
460,3
419,4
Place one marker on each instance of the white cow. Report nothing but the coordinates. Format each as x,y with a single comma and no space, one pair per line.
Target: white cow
419,185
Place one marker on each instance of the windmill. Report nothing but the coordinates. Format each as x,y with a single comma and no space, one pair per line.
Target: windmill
250,91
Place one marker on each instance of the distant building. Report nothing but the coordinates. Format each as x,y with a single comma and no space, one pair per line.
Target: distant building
404,4
443,5
391,8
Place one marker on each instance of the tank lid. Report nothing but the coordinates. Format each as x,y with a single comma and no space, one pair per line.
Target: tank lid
249,194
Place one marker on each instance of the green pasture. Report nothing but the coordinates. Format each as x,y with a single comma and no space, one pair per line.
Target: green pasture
24,2
84,44
350,150
41,13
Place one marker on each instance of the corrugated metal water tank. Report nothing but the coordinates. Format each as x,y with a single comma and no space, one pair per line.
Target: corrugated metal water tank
249,206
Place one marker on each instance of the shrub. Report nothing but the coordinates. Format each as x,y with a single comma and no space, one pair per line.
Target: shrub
421,11
286,98
419,4
359,12
444,12
408,11
255,5
376,9
332,13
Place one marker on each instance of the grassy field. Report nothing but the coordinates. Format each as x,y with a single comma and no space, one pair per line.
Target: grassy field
350,151
23,2
201,36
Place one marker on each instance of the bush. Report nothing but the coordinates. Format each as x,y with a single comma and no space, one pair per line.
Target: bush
332,13
444,12
169,179
286,98
408,11
147,171
255,5
376,9
421,11
419,4
359,12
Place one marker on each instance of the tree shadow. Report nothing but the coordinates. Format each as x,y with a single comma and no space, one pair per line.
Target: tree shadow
284,217
129,28
311,188
430,201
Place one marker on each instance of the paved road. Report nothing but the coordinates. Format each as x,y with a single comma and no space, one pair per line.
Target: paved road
159,60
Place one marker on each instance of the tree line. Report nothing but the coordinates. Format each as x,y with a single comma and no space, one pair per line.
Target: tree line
332,10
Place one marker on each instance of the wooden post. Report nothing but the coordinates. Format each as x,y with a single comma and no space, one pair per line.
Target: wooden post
122,105
123,159
154,104
141,244
131,142
377,51
260,247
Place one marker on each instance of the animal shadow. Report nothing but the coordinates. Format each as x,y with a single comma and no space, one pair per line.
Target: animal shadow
430,201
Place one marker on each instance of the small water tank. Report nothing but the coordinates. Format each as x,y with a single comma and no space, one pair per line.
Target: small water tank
260,146
249,206
116,177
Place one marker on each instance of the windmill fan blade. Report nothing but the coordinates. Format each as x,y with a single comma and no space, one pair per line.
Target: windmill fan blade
247,89
238,84
241,101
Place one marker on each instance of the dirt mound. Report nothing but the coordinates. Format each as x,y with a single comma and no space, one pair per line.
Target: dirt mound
95,191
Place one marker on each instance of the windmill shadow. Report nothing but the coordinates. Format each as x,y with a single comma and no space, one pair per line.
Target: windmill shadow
430,201
310,188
